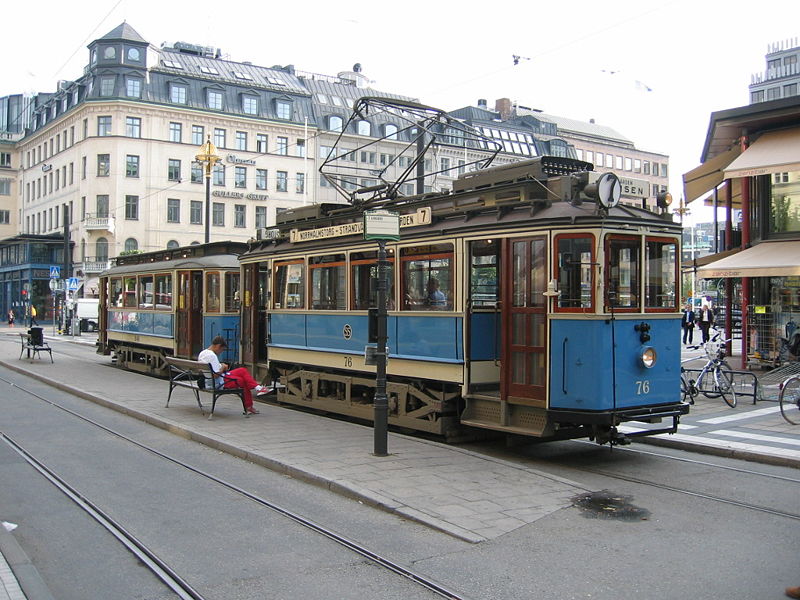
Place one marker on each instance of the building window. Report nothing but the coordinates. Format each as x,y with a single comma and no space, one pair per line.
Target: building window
773,93
133,88
196,212
107,86
176,132
197,172
241,140
177,93
103,126
664,170
219,137
173,210
131,245
103,165
239,215
261,179
131,166
300,148
218,214
214,99
133,127
261,216
368,157
390,131
756,97
198,135
5,186
240,177
5,217
300,183
646,167
172,244
132,208
364,128
628,164
790,90
282,183
283,145
101,249
335,123
283,109
249,105
218,175
134,54
261,143
174,170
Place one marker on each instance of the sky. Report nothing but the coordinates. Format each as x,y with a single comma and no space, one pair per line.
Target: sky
654,72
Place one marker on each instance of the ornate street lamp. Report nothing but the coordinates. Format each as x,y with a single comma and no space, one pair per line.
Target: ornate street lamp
208,156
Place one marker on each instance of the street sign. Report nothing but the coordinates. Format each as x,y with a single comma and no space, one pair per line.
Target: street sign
55,272
53,284
72,284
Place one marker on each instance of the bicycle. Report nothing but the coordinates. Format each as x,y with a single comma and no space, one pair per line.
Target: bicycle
790,399
716,377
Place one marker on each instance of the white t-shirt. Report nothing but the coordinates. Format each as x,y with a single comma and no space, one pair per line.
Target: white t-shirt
210,357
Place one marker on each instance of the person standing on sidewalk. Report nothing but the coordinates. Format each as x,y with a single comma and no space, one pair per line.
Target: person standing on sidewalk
705,321
33,316
11,317
687,323
239,377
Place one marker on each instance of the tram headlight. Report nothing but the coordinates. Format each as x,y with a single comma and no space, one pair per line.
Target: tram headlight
648,356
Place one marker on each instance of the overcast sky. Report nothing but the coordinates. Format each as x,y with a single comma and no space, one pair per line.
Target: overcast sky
652,71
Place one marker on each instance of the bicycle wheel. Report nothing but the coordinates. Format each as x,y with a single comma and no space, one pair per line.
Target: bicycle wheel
790,400
724,383
706,384
686,390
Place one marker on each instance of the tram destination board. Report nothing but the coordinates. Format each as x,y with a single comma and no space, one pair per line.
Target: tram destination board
381,225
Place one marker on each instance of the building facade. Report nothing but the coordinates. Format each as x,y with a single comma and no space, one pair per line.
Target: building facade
781,79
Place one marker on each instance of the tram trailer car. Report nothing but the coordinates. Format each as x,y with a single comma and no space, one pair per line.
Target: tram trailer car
170,303
516,303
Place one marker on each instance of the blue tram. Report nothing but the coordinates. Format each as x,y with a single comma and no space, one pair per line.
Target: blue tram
170,302
526,301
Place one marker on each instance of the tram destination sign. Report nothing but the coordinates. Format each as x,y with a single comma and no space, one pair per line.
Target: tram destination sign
381,225
415,219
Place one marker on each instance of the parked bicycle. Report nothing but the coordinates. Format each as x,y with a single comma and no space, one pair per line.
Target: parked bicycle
715,379
790,399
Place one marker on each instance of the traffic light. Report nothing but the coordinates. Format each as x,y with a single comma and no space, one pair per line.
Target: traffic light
24,294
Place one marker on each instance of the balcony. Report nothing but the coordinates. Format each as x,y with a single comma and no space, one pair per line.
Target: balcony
93,265
95,223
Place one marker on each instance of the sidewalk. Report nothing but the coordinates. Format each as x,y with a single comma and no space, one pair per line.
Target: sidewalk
468,495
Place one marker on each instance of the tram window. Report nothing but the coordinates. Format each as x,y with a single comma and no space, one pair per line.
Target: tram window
575,271
129,291
212,292
115,292
528,265
328,282
232,292
661,274
483,269
622,271
146,291
164,291
427,277
364,270
290,285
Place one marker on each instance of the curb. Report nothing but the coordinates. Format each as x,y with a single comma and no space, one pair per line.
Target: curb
28,577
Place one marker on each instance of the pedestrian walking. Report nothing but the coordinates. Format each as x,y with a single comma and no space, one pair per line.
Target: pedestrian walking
705,321
687,323
33,316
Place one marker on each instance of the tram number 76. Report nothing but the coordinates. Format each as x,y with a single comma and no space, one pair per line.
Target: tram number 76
642,387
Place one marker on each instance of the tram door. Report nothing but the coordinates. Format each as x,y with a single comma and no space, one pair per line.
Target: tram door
524,345
189,314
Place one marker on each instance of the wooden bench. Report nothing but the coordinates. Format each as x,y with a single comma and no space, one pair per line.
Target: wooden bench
193,374
33,343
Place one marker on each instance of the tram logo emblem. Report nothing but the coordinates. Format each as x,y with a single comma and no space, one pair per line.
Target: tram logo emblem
347,332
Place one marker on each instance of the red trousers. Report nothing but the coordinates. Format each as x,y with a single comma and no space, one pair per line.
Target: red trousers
241,378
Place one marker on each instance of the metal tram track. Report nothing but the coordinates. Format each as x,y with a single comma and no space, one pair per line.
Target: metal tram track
160,568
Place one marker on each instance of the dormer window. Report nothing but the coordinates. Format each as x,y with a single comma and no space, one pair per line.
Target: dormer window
214,99
93,57
242,75
364,128
275,81
209,70
134,54
172,64
109,53
283,109
177,93
107,85
335,123
250,105
133,87
390,131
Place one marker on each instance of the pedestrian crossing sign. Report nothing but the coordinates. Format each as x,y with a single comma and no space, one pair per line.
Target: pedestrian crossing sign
55,272
72,284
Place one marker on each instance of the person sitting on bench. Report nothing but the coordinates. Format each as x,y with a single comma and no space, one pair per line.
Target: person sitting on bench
239,377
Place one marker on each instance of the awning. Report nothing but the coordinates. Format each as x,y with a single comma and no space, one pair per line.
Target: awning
767,259
701,261
736,196
707,176
773,152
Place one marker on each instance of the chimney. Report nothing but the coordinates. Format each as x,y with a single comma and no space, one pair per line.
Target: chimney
482,103
503,106
591,120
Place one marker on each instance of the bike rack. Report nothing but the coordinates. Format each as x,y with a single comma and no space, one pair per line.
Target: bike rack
739,383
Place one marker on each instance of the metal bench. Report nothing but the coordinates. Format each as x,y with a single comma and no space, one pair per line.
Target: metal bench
33,343
193,374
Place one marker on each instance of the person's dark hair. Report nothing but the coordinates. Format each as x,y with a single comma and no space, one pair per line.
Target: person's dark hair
219,341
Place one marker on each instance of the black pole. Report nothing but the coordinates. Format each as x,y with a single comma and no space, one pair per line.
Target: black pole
381,403
208,202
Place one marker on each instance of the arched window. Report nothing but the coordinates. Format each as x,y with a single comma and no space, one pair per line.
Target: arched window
195,244
335,123
131,244
364,128
390,131
172,244
101,249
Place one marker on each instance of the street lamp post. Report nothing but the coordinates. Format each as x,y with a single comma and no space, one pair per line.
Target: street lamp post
208,156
